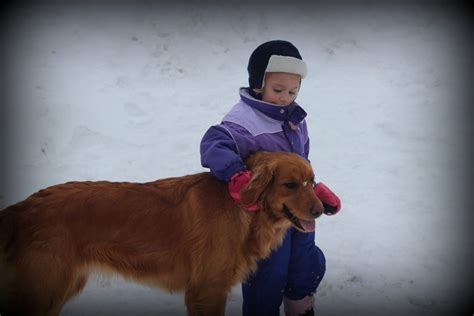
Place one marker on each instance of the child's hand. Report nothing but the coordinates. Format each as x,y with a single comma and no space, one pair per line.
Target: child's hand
236,183
332,204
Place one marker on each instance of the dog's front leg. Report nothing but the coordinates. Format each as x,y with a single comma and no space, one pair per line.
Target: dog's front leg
206,300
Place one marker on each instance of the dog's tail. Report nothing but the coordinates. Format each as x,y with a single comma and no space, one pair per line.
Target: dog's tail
7,237
8,233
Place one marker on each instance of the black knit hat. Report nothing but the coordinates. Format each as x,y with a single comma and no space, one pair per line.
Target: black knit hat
274,56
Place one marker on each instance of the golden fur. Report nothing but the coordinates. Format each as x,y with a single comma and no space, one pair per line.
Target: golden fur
181,234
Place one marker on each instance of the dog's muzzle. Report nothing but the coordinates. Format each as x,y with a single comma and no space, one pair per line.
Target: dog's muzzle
301,224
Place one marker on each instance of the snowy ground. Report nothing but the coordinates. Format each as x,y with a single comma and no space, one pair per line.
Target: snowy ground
126,92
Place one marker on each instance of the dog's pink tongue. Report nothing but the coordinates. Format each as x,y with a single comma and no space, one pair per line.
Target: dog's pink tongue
309,226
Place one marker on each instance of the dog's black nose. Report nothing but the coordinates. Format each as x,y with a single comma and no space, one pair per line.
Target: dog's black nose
314,211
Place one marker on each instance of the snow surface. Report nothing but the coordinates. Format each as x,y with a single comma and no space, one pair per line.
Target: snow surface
125,93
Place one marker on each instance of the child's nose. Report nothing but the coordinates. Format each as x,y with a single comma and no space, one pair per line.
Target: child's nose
285,99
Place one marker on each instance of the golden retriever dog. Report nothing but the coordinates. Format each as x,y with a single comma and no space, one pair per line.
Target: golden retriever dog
180,234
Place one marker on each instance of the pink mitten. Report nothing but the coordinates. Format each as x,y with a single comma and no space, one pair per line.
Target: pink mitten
332,204
236,183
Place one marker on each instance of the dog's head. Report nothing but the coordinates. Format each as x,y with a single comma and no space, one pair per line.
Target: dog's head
282,185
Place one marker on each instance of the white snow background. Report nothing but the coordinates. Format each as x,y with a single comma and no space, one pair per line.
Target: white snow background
124,92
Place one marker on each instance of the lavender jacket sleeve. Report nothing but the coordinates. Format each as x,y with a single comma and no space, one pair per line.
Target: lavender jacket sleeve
219,153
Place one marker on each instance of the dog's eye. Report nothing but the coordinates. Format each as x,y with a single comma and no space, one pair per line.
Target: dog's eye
291,185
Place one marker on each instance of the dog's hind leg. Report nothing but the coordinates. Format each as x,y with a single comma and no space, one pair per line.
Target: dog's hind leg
209,300
40,285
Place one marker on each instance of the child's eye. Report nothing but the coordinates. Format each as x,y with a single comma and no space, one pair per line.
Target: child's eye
292,93
291,185
277,91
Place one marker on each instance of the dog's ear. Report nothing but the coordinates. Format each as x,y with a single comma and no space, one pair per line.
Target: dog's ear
262,176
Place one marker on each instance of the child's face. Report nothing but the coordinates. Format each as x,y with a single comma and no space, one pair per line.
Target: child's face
280,88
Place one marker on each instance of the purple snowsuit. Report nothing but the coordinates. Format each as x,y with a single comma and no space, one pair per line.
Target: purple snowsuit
296,268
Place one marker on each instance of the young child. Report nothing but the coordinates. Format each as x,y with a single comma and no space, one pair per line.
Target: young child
268,118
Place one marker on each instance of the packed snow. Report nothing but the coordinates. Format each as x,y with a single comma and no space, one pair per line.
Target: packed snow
125,92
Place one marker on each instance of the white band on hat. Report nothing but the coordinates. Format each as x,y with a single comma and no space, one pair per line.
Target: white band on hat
288,64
